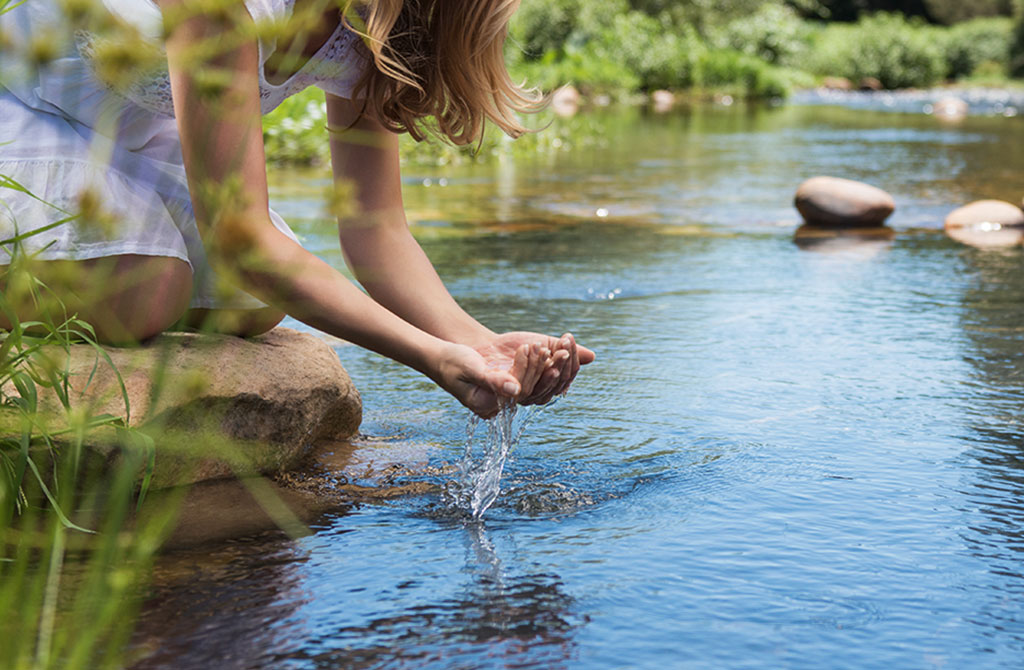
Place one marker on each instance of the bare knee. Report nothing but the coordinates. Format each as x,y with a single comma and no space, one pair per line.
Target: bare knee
125,299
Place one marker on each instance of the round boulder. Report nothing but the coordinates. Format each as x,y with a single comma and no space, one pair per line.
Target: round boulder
831,201
950,109
565,102
986,214
987,223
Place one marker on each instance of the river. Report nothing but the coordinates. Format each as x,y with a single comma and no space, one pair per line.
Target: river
784,457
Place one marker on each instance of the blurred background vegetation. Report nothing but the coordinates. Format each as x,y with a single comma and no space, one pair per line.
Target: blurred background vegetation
622,50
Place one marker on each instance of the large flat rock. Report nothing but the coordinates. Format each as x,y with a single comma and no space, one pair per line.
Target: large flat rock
220,406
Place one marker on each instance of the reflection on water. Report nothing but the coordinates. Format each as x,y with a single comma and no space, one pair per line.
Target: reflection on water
781,458
994,488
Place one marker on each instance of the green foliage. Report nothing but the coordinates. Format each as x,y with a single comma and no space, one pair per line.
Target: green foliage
973,43
296,132
897,52
660,58
774,33
950,12
70,569
1017,46
735,72
543,26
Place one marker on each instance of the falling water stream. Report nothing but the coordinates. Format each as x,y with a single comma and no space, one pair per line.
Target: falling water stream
477,481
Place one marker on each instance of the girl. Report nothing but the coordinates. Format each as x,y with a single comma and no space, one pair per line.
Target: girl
144,120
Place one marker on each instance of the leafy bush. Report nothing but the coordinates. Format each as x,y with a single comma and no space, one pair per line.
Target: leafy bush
774,33
660,57
296,132
897,52
1017,45
951,12
968,45
731,70
542,26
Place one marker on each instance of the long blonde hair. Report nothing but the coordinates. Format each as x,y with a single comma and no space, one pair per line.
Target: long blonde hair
439,66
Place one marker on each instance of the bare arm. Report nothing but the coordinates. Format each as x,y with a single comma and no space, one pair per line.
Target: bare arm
378,247
214,80
390,264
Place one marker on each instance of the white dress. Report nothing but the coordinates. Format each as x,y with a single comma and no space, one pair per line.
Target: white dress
63,132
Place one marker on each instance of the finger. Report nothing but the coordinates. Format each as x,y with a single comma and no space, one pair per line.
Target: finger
547,387
572,366
548,384
520,364
539,361
482,401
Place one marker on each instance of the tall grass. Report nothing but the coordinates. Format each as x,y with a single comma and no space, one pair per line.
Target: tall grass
71,567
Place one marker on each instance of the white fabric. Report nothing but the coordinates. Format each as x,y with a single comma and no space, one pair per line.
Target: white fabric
63,132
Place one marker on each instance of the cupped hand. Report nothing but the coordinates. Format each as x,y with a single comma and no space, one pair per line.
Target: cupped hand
467,375
541,379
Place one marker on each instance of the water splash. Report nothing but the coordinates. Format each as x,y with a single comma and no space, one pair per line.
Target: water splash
477,481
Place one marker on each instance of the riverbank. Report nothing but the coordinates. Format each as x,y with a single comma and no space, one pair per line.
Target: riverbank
294,133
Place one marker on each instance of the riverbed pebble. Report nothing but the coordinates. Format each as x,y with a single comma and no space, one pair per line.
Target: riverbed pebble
832,201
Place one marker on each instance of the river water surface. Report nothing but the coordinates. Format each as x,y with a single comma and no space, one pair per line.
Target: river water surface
784,457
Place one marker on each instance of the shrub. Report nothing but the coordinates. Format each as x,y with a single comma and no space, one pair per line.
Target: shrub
728,69
897,52
773,33
1017,45
968,45
658,56
295,132
542,26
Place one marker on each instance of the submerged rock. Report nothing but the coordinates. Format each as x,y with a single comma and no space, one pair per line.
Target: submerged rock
219,406
662,101
950,109
565,102
837,84
831,201
995,212
987,223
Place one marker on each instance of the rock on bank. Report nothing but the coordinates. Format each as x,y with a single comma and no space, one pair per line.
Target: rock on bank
219,406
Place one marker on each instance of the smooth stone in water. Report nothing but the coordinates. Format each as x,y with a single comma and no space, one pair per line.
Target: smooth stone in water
662,101
831,201
565,102
995,212
987,223
950,109
837,84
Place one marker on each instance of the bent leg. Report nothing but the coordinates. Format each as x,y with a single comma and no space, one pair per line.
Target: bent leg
125,298
240,322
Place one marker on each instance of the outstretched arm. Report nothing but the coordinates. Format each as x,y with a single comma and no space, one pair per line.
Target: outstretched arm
214,80
392,267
